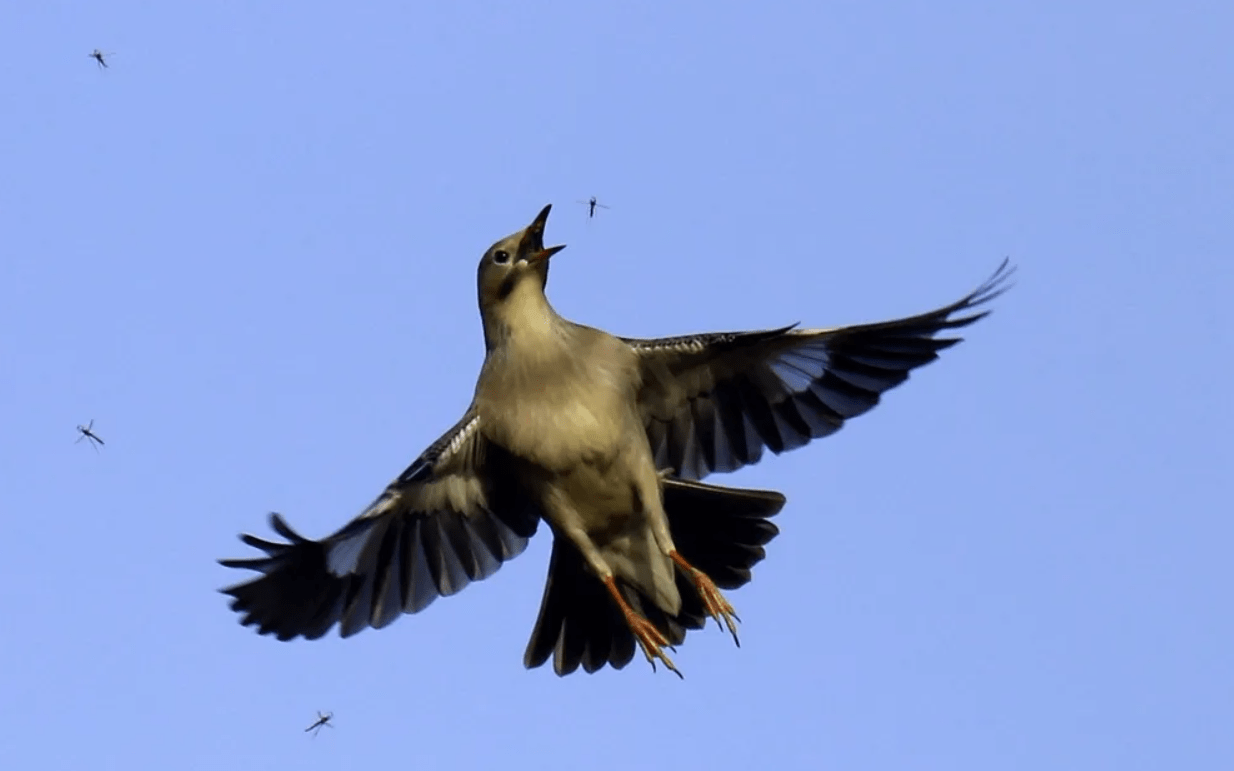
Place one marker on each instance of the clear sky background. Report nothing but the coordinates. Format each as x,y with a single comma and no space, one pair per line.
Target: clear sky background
247,250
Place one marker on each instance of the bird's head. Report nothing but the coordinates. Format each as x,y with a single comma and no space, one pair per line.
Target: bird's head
512,277
517,261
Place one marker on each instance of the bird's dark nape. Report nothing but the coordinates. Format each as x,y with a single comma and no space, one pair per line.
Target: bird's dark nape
719,530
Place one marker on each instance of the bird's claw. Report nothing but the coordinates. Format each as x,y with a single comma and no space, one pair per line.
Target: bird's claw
653,643
713,602
719,608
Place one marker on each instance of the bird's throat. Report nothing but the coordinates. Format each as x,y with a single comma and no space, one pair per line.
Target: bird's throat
530,328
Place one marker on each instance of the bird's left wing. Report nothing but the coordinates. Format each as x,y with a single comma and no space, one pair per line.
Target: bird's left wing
453,517
713,402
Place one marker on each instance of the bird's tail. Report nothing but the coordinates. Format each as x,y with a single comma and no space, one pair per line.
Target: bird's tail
719,530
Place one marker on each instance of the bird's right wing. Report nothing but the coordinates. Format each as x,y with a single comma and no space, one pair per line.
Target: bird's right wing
453,517
713,402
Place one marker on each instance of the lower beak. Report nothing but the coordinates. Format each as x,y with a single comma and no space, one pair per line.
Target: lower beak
544,254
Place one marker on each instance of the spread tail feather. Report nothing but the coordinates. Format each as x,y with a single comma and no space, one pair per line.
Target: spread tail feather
719,530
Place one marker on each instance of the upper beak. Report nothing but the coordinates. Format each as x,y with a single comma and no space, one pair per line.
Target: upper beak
534,237
537,225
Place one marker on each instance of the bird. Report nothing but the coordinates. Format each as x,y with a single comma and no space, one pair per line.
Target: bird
606,440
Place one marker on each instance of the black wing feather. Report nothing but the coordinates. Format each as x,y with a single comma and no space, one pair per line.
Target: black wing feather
714,402
452,518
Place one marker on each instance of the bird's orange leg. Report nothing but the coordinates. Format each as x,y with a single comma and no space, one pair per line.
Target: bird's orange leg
713,602
649,638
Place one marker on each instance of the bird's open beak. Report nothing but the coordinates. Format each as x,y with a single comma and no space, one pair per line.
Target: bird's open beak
534,237
544,254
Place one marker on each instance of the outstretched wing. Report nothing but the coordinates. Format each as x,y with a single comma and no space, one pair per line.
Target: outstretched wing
453,517
713,402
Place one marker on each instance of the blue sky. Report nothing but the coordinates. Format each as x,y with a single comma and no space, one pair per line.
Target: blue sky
247,251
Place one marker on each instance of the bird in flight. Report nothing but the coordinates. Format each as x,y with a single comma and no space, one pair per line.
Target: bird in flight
98,56
606,440
591,205
322,720
87,432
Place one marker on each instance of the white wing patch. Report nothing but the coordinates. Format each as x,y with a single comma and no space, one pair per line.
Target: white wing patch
459,438
798,368
343,558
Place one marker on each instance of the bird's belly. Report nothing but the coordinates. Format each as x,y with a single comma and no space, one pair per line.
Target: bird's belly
605,494
575,430
579,462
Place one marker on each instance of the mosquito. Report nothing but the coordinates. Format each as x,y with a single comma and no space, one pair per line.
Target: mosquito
321,720
97,56
87,432
591,205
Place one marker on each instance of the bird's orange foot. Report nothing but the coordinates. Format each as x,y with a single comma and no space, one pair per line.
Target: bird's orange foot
713,602
651,640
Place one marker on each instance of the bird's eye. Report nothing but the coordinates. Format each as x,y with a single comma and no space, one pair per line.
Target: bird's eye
501,256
